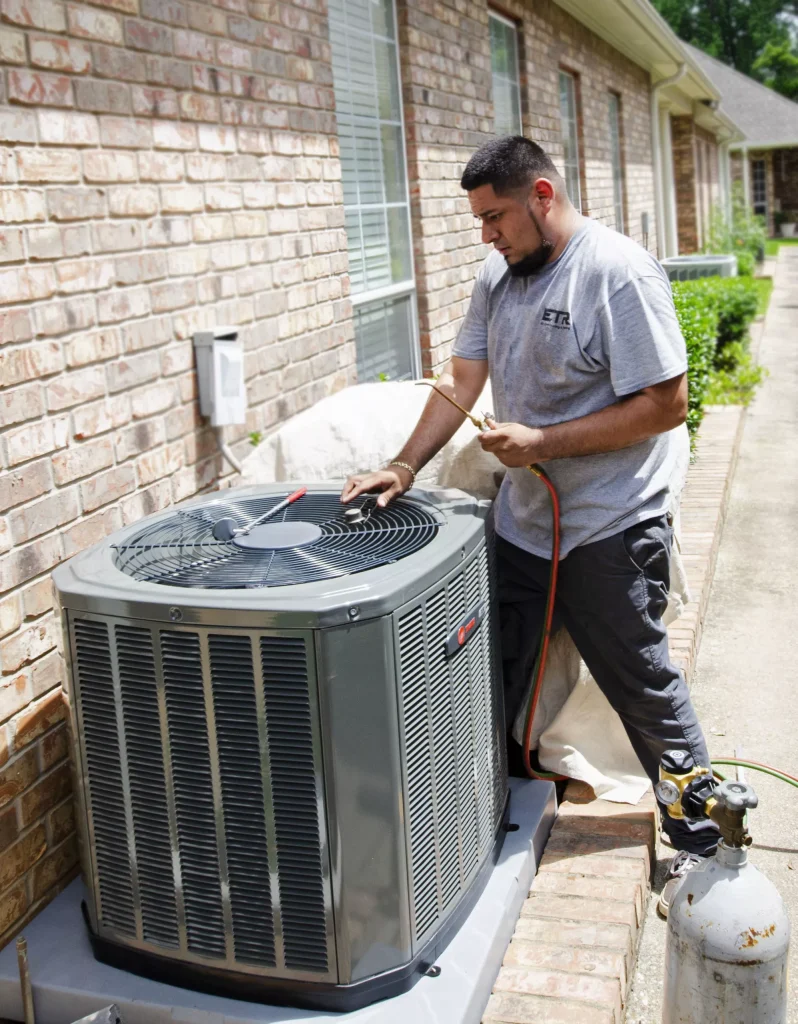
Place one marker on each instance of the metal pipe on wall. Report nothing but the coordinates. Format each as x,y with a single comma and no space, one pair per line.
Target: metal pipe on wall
656,153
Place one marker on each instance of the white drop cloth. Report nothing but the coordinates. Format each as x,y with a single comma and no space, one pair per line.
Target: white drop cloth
576,731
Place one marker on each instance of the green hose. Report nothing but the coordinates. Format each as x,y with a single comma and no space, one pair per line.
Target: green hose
766,769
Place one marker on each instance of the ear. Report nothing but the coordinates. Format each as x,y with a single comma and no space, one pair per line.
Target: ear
543,193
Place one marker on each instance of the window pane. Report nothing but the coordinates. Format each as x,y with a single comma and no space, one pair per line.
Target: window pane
399,236
384,340
617,159
393,163
506,87
376,249
570,140
382,18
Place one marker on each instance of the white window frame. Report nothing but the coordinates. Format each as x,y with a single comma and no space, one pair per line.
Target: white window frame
407,287
569,122
756,163
516,84
616,156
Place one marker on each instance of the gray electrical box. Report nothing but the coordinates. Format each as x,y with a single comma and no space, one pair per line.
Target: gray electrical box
220,373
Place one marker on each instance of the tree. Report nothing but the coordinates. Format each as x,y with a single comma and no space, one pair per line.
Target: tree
778,67
734,31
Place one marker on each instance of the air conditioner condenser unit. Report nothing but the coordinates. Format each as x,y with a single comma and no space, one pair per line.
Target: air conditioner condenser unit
289,744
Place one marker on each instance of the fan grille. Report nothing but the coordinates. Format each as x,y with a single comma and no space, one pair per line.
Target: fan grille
181,551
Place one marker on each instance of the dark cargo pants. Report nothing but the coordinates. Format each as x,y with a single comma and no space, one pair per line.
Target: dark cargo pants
611,596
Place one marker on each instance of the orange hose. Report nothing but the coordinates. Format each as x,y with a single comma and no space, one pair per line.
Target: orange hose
543,651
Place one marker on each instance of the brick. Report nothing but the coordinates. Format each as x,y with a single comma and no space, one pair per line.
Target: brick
10,614
150,266
39,718
101,416
145,502
102,97
82,460
43,14
89,23
58,54
143,35
170,11
223,197
125,133
139,438
17,126
573,884
212,228
161,166
30,363
205,167
48,792
150,102
196,107
15,694
152,400
8,827
55,869
13,905
53,242
61,822
11,247
18,486
556,984
193,46
109,166
76,388
189,261
172,295
21,204
118,64
54,747
38,599
66,204
596,867
173,73
40,438
517,1008
146,333
215,139
67,128
12,46
547,932
27,284
43,516
234,56
40,88
85,275
94,347
119,305
578,908
15,325
24,563
48,165
110,237
17,776
181,199
47,673
159,464
107,487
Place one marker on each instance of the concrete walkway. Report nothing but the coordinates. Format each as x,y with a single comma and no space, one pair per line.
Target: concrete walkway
746,680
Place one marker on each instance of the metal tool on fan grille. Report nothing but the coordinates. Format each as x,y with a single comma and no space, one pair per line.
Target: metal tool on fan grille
227,529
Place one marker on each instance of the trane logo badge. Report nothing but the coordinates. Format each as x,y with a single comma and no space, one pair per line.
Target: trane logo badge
463,632
559,318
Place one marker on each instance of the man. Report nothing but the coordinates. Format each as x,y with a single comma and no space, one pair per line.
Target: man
576,325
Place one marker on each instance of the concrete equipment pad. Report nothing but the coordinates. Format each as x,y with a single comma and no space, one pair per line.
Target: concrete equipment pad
68,983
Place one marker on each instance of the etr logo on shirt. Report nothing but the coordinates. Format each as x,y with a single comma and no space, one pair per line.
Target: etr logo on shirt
558,318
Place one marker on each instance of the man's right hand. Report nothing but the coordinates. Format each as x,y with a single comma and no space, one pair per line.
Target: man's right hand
392,482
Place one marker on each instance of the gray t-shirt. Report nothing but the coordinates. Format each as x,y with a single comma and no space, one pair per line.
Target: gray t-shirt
593,326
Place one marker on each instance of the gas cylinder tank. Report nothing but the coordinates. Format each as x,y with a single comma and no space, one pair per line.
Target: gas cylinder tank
727,945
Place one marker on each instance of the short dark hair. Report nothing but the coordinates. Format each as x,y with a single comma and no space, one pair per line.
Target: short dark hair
509,163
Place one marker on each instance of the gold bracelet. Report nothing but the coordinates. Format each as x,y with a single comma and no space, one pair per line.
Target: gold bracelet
404,465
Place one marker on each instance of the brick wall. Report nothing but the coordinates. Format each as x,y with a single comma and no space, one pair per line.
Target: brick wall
785,181
696,179
449,113
164,166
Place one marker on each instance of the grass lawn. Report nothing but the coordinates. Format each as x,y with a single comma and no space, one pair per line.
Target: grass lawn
772,245
764,285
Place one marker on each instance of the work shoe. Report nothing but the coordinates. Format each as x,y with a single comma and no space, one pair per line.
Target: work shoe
681,865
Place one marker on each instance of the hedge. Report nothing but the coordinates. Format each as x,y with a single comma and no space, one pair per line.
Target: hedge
714,314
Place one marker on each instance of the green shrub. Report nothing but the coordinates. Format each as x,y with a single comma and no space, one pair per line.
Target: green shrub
744,235
737,303
697,312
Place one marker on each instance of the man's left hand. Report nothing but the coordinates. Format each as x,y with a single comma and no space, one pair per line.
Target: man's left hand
513,444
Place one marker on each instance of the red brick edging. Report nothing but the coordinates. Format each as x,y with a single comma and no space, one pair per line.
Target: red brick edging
572,955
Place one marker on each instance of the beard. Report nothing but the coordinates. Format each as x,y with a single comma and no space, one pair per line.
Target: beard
537,259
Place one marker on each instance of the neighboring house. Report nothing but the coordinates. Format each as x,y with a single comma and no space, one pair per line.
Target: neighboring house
288,167
765,160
